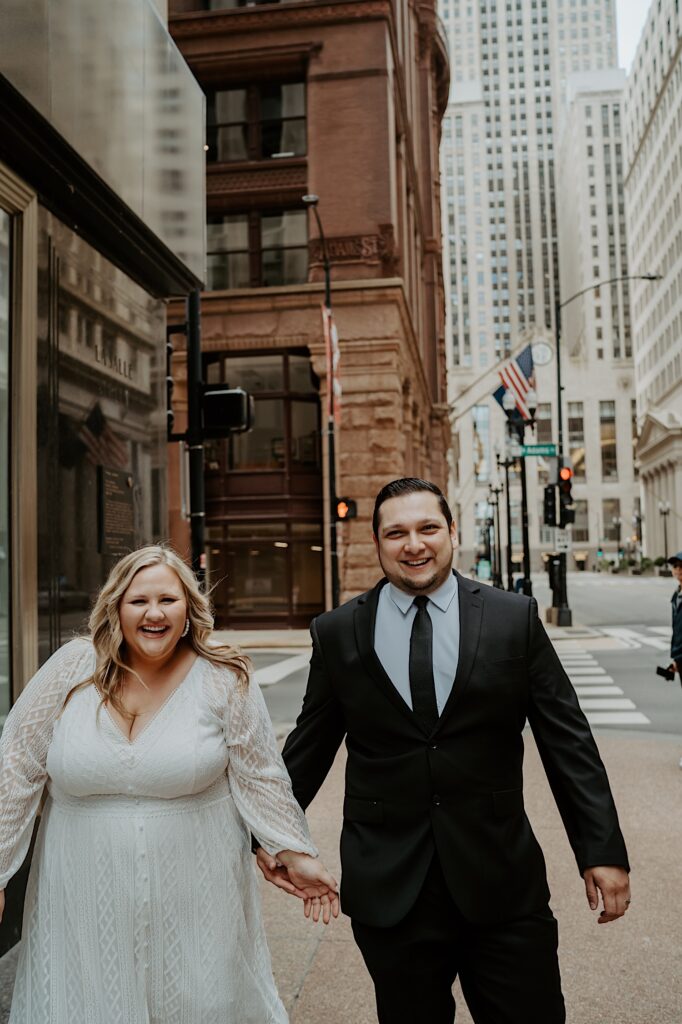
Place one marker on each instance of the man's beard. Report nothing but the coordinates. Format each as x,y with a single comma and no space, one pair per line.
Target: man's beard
432,583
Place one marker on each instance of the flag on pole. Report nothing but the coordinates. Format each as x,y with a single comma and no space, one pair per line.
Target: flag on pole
331,340
518,377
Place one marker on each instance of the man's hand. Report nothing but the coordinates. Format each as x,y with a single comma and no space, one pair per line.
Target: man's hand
614,885
303,876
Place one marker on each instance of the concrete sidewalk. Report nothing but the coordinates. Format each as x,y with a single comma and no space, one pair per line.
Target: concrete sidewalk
628,972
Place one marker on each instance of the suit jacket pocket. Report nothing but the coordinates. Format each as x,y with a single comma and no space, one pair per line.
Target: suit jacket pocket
507,802
355,809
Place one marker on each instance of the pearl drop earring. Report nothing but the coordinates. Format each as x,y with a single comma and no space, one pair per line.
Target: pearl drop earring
186,629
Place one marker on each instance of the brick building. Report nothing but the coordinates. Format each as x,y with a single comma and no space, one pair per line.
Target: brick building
343,99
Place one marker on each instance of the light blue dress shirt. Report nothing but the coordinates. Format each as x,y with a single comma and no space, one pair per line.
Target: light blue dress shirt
395,614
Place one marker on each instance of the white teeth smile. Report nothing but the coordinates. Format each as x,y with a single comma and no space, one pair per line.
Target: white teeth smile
415,565
154,629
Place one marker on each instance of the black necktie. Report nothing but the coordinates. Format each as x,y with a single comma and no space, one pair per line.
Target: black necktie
422,686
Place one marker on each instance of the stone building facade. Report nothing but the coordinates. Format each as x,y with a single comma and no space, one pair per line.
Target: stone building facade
362,86
653,207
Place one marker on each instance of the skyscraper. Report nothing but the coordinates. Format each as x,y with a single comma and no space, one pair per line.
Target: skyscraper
653,202
511,65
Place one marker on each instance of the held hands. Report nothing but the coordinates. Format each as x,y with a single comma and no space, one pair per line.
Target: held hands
614,885
303,876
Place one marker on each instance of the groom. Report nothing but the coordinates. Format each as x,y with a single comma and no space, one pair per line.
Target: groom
431,678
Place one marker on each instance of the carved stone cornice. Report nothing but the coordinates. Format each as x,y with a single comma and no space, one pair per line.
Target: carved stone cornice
266,17
274,179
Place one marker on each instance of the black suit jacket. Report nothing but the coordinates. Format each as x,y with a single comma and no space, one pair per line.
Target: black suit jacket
458,790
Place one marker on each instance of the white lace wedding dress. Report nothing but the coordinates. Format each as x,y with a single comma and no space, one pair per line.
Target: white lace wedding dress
142,905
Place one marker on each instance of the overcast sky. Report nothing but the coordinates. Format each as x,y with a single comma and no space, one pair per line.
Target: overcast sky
631,16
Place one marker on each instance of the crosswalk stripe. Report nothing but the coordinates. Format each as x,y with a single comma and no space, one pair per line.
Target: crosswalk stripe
591,670
617,718
598,691
591,680
608,704
634,638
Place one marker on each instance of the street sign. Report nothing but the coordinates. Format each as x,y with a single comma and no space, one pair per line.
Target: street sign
562,540
539,449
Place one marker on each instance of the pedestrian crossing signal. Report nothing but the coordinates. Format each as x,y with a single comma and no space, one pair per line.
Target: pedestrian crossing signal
566,503
346,508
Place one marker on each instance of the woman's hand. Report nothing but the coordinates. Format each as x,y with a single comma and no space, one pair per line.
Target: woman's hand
312,881
2,903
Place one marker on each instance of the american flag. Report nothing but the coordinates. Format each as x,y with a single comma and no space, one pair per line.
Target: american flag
518,377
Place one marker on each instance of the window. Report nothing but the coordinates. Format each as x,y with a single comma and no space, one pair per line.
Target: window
543,423
576,438
256,122
580,531
249,250
607,430
611,517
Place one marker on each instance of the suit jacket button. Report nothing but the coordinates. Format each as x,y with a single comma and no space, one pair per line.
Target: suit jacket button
436,800
434,746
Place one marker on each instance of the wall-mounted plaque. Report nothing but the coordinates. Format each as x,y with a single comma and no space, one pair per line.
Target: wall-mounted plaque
115,512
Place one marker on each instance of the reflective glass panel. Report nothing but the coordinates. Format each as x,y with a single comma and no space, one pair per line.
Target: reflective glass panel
255,373
300,375
5,263
307,578
258,577
227,270
101,426
305,435
287,228
263,447
285,266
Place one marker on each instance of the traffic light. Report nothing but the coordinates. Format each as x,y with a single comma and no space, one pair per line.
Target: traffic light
566,505
549,506
346,508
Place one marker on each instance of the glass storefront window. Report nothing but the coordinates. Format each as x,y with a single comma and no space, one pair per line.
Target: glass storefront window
264,446
300,375
101,426
305,436
5,263
255,373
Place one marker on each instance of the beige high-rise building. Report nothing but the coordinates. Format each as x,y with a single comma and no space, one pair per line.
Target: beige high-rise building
596,331
511,66
653,201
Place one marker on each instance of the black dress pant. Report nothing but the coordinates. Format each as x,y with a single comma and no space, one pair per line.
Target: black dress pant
509,973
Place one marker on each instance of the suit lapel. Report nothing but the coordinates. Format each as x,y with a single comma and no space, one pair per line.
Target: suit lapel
470,618
364,620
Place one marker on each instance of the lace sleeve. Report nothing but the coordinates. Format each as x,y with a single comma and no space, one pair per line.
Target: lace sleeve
24,744
261,786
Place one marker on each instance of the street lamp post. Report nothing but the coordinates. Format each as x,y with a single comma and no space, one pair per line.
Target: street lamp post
664,509
311,202
564,616
517,423
494,501
506,463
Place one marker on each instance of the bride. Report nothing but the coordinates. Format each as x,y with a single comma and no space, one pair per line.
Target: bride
160,761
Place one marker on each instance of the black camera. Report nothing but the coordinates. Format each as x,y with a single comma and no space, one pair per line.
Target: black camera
667,673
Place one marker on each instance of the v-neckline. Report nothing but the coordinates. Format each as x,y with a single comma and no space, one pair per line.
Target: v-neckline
166,702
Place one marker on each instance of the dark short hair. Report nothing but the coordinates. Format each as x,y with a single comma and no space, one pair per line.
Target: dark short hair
408,485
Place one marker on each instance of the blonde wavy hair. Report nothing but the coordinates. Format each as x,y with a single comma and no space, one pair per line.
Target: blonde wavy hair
107,636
